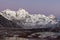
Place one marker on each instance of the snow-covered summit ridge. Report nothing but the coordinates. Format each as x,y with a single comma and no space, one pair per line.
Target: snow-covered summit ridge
23,17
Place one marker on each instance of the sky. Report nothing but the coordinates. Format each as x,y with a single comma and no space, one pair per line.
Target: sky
46,7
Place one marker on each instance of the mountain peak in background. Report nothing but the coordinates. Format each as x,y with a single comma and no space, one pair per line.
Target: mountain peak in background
27,20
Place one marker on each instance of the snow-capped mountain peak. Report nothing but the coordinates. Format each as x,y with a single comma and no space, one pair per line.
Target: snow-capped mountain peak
52,16
22,17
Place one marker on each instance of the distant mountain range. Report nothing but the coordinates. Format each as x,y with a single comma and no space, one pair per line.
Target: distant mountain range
26,20
23,24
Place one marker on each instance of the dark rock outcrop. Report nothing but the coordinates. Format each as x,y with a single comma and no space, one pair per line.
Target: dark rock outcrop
5,23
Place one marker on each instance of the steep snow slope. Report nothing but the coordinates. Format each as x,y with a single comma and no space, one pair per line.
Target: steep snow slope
26,20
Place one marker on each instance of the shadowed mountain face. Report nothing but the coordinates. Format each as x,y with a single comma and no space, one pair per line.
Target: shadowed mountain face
7,23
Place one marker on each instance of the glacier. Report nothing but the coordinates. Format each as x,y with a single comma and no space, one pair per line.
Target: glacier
27,20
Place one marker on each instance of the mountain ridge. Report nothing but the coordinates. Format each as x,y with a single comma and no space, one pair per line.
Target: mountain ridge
27,20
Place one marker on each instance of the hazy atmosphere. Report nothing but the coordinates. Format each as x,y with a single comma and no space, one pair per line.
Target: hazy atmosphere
46,7
29,19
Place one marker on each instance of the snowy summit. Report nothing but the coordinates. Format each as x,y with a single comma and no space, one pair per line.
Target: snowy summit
23,18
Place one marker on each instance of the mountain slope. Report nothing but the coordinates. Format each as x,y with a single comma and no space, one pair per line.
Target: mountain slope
7,23
27,20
